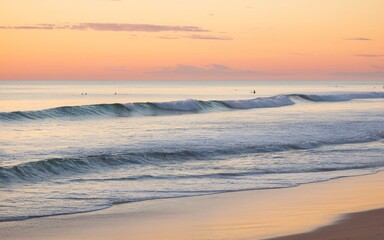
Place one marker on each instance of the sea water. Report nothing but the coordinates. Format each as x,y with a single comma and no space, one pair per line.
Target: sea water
77,146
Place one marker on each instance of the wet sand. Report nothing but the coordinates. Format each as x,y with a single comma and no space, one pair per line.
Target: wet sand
259,214
367,225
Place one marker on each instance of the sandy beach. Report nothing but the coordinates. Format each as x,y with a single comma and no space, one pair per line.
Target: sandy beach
357,226
260,214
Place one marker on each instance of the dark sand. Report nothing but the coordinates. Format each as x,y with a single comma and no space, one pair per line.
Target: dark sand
367,225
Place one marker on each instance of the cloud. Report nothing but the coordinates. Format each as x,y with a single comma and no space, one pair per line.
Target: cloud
118,69
203,37
377,67
212,71
369,55
359,74
33,27
124,27
169,37
117,27
358,39
196,37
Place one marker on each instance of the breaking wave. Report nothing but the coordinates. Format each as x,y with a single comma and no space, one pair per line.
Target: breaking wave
54,167
176,107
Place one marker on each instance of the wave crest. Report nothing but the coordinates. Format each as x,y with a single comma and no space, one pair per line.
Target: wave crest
176,107
48,168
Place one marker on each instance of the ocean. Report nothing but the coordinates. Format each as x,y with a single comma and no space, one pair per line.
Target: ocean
78,146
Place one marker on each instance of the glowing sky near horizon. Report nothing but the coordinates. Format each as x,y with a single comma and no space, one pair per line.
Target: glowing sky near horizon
200,39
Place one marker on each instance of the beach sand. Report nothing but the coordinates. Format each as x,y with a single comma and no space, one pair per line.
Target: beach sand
367,225
258,214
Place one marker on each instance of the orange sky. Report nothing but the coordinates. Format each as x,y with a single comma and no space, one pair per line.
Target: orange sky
200,39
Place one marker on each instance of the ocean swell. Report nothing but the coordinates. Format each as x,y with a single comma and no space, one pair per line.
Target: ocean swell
54,167
341,97
176,107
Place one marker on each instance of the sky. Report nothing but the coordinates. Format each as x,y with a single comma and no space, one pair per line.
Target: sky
187,40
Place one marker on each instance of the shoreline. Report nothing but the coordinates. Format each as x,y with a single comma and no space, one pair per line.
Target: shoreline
253,214
27,218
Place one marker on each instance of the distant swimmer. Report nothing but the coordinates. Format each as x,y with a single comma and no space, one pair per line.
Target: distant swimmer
254,91
115,93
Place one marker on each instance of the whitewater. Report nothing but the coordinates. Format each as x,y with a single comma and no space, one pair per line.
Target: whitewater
64,152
